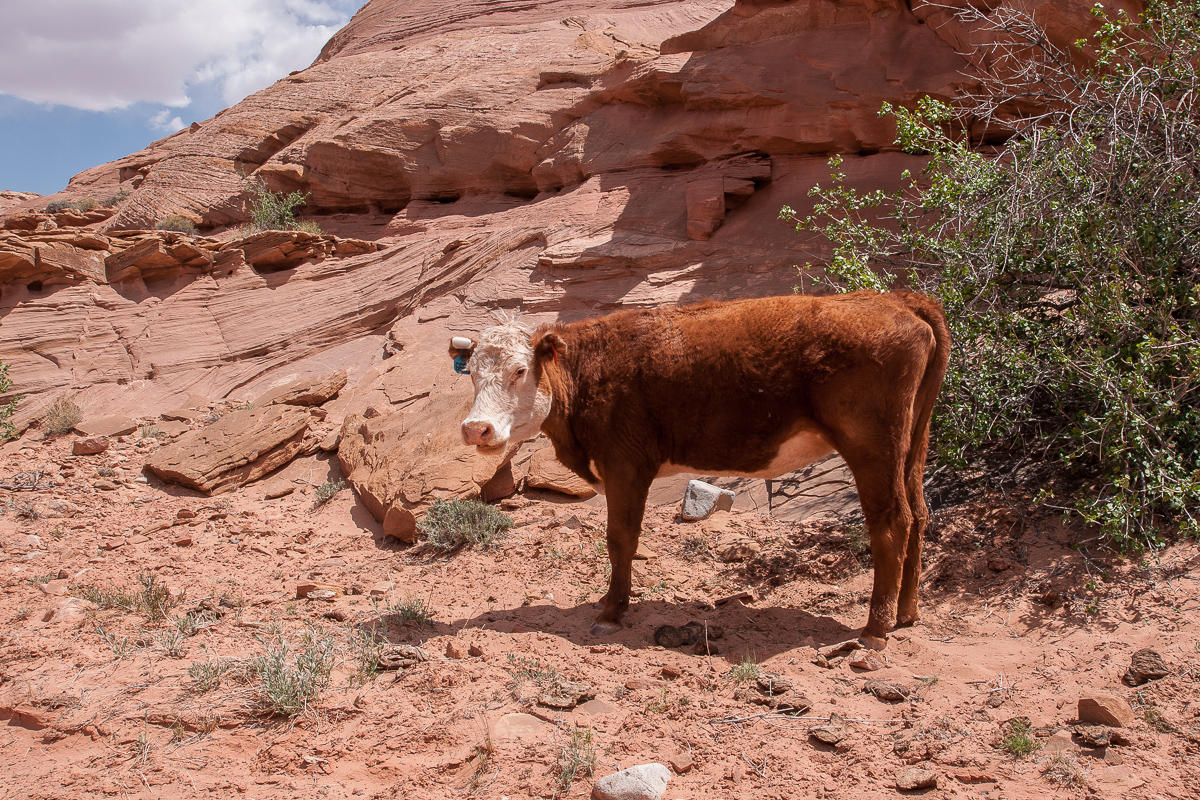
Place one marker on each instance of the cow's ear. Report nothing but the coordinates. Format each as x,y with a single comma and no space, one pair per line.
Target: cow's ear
548,346
460,350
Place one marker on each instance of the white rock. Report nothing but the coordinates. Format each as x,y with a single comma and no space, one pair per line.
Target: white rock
643,782
701,499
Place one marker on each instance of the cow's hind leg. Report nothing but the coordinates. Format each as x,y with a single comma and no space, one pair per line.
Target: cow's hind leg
881,490
626,505
907,612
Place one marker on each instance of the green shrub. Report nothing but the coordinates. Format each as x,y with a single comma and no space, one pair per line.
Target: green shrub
7,430
117,198
85,204
176,223
1068,260
287,683
57,206
327,490
451,524
272,211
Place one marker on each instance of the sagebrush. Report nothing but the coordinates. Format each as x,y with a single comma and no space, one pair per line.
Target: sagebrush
451,524
1067,259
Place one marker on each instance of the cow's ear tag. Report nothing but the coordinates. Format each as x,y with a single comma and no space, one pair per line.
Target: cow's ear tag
463,346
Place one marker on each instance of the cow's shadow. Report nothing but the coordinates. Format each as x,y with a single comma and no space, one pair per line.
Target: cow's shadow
736,631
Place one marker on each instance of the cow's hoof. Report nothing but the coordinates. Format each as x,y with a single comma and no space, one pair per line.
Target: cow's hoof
907,620
604,628
872,642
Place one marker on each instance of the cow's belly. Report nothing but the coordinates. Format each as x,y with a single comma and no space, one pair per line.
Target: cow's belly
799,451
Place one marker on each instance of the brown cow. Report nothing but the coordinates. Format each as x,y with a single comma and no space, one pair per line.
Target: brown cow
749,387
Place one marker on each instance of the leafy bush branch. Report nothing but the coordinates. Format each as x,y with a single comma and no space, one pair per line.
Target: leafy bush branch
1068,259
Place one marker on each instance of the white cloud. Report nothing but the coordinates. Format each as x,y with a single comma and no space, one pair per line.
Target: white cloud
163,121
101,55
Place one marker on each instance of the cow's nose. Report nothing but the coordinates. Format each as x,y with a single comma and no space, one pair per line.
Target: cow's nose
477,432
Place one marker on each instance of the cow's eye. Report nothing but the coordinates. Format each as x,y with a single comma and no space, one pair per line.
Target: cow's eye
520,372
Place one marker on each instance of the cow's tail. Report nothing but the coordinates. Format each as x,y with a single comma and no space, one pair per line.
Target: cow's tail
930,311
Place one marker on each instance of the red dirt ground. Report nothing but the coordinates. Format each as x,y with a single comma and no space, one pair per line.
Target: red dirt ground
99,702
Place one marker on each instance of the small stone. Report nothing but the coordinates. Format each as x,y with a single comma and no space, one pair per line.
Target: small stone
454,650
1060,742
318,591
828,735
381,589
338,614
401,656
913,778
644,553
475,651
1146,665
104,485
999,564
704,648
741,549
770,684
1100,735
1104,709
276,488
886,691
701,499
681,763
185,513
634,684
89,446
562,693
183,541
643,782
57,588
671,672
868,660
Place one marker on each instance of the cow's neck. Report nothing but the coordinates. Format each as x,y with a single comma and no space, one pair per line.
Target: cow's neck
557,378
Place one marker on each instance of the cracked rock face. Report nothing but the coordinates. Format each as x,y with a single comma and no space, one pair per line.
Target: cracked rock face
560,158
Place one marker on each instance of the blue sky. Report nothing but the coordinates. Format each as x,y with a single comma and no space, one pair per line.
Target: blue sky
83,82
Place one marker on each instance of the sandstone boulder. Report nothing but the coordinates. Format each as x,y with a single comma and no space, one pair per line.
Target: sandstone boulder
643,782
399,462
89,446
238,449
545,472
1105,709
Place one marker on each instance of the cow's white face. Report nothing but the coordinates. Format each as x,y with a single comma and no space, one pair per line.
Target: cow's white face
508,406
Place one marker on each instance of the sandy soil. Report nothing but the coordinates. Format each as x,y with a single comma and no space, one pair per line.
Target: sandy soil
1019,621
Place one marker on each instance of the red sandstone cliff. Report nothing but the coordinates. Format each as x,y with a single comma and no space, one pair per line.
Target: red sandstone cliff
554,157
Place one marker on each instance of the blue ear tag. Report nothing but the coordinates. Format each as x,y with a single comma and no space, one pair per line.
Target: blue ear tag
460,365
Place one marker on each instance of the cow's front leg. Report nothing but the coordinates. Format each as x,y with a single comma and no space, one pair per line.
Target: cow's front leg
626,505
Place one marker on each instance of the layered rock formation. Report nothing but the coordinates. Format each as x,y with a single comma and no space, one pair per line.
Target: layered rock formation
559,158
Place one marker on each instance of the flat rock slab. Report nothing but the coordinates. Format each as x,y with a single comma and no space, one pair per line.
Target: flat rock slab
240,448
643,782
113,425
311,391
520,726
